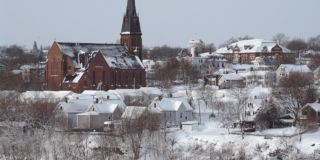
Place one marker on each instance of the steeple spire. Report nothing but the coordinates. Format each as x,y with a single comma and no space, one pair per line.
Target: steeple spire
131,23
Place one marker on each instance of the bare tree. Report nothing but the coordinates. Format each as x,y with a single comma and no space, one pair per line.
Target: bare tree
281,39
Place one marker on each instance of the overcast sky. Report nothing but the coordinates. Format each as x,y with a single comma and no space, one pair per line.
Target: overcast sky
171,22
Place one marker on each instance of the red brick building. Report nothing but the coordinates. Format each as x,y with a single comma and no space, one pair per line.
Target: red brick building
247,50
90,66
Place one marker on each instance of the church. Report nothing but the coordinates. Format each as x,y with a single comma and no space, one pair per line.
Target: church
98,66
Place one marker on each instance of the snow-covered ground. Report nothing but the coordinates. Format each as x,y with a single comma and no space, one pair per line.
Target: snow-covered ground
211,133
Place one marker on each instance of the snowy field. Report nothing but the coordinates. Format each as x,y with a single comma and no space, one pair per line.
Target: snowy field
212,134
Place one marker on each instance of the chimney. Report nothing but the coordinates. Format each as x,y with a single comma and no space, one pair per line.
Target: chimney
255,97
266,100
136,52
77,97
66,99
97,100
202,50
170,95
210,50
107,97
159,98
251,68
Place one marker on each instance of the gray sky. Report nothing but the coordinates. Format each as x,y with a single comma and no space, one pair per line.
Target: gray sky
171,22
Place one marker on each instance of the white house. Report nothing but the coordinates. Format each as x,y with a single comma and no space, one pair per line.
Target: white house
174,110
259,78
32,72
285,69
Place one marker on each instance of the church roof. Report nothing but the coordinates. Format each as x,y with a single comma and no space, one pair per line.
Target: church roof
131,14
117,56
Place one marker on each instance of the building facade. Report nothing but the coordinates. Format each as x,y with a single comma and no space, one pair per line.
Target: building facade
247,50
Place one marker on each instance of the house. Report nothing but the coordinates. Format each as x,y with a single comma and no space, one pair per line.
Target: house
259,78
311,112
195,43
129,93
246,51
54,96
241,67
89,66
149,65
174,110
32,72
70,108
97,114
286,69
230,80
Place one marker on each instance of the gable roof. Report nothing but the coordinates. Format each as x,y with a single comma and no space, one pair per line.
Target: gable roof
105,108
116,55
232,76
173,104
76,106
295,68
315,106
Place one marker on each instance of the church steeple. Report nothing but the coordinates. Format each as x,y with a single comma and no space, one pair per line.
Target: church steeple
131,22
131,31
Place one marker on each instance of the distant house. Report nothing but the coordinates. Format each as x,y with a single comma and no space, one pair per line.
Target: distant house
33,72
97,114
174,110
286,69
150,92
241,67
311,112
230,80
259,78
149,65
70,108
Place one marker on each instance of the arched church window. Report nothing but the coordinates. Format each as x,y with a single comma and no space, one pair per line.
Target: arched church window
85,84
140,78
112,78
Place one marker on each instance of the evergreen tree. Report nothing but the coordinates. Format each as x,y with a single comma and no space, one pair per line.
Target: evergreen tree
35,47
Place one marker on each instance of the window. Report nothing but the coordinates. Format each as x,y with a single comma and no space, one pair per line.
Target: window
112,78
186,118
155,105
60,108
170,115
304,112
133,77
85,84
51,69
165,115
140,80
180,115
126,78
74,86
103,77
92,109
54,65
57,69
94,77
119,79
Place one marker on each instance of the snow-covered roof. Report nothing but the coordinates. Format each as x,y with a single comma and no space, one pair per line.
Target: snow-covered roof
189,122
33,66
105,108
232,76
243,66
224,71
249,73
117,56
77,105
88,114
57,94
252,46
128,92
120,103
295,68
151,90
81,96
133,112
315,106
173,104
75,77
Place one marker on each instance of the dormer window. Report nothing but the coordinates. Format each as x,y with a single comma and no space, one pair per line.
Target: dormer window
155,105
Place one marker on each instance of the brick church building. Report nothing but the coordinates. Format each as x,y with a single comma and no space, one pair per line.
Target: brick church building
97,66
